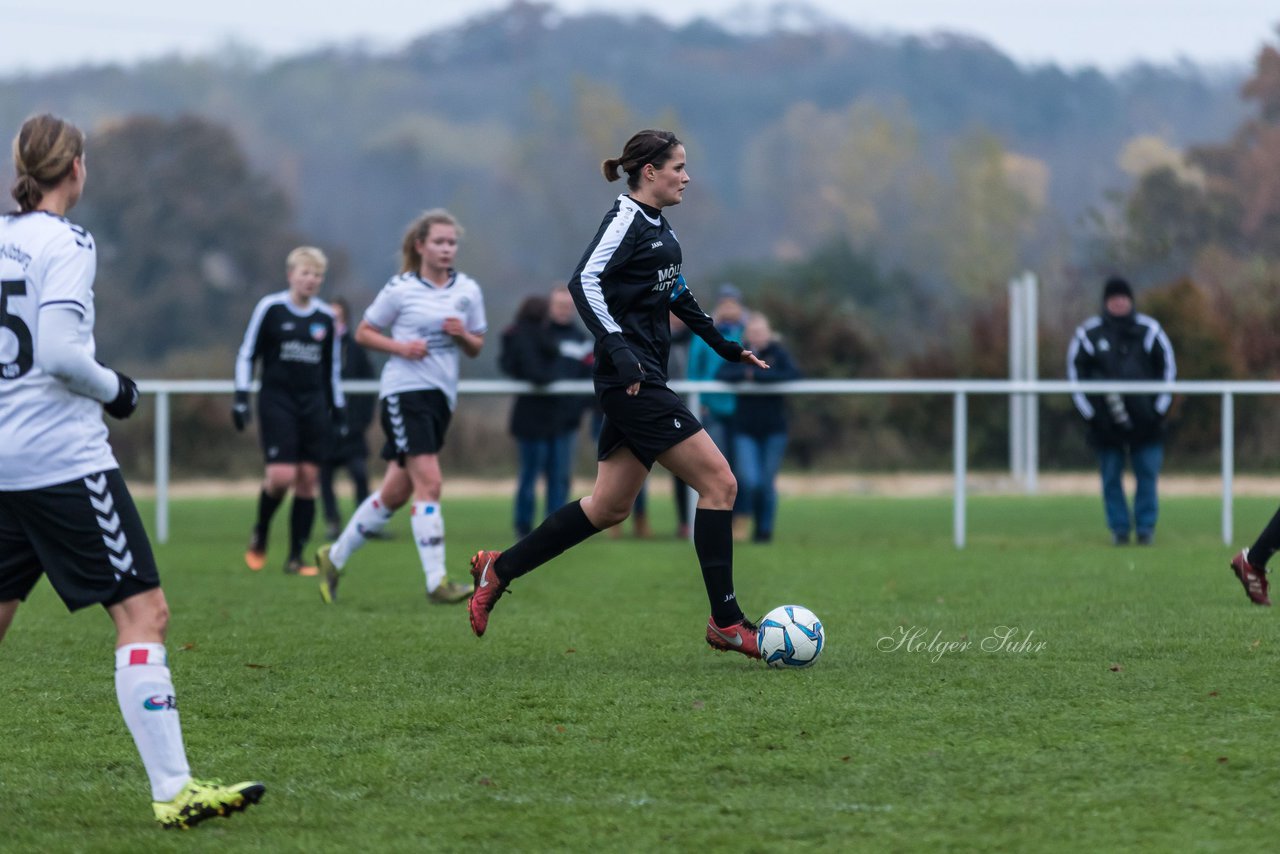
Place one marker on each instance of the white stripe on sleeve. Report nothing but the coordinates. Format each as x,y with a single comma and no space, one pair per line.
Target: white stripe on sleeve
1073,352
244,359
600,257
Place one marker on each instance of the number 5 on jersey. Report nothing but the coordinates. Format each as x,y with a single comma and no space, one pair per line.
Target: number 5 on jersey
11,370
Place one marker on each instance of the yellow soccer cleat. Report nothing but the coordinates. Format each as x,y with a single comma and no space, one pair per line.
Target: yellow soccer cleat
449,593
201,799
329,575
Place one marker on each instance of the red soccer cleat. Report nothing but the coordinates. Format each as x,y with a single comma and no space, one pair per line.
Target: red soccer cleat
488,588
1253,578
740,637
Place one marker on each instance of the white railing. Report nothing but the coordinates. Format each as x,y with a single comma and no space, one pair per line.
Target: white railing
958,389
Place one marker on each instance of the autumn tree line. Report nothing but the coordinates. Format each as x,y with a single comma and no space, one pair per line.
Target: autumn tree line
873,197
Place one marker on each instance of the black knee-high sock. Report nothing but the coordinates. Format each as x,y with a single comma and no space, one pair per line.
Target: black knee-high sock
1268,543
301,518
560,531
713,540
267,507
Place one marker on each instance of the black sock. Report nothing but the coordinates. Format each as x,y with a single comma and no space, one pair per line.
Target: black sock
560,531
301,518
713,540
267,507
1268,543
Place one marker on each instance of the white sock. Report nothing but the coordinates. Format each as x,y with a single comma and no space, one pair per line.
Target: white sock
144,689
428,534
370,518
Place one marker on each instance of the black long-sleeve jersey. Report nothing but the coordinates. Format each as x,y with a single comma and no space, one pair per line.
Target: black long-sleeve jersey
298,348
626,286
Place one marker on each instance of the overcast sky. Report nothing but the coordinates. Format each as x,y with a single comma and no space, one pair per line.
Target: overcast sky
1105,33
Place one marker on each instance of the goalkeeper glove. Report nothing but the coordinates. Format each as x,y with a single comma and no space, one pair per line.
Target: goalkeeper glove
240,414
126,399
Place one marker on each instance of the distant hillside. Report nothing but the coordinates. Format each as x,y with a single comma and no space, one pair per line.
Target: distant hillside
506,118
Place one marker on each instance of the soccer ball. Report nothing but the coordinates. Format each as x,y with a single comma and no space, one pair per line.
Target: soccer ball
790,636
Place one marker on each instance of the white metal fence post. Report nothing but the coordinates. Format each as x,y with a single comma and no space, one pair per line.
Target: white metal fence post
691,506
1031,401
1228,465
1017,371
960,437
162,466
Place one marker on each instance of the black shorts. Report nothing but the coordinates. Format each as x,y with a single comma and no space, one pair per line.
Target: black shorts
294,428
85,535
653,421
415,423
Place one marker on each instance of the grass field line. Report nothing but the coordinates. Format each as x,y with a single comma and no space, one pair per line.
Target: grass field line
904,485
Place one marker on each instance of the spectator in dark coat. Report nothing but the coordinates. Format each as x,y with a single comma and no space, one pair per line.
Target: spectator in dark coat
1121,344
759,430
541,346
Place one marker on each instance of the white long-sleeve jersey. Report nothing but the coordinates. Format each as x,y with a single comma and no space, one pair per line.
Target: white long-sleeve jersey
51,390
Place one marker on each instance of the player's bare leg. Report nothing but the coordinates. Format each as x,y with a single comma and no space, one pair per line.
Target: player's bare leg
427,522
144,689
618,482
698,462
369,520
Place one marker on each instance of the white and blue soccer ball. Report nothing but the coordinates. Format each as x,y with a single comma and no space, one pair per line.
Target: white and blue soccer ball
790,636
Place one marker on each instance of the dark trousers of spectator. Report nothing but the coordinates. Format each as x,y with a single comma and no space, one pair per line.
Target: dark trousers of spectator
551,459
757,460
1146,459
358,468
722,434
681,490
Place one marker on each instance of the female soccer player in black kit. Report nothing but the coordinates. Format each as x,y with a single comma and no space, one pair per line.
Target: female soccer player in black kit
295,337
625,287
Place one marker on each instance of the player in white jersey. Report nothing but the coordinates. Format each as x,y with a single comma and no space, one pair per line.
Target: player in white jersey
423,318
65,511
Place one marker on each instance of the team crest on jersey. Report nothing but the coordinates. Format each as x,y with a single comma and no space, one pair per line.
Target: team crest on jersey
318,331
464,303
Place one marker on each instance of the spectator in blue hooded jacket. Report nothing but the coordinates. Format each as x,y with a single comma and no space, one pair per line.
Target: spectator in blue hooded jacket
730,316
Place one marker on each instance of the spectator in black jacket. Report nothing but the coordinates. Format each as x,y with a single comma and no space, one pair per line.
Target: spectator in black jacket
1120,344
759,428
350,451
544,345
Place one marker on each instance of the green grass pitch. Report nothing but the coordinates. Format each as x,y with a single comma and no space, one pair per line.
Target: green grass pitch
1134,709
